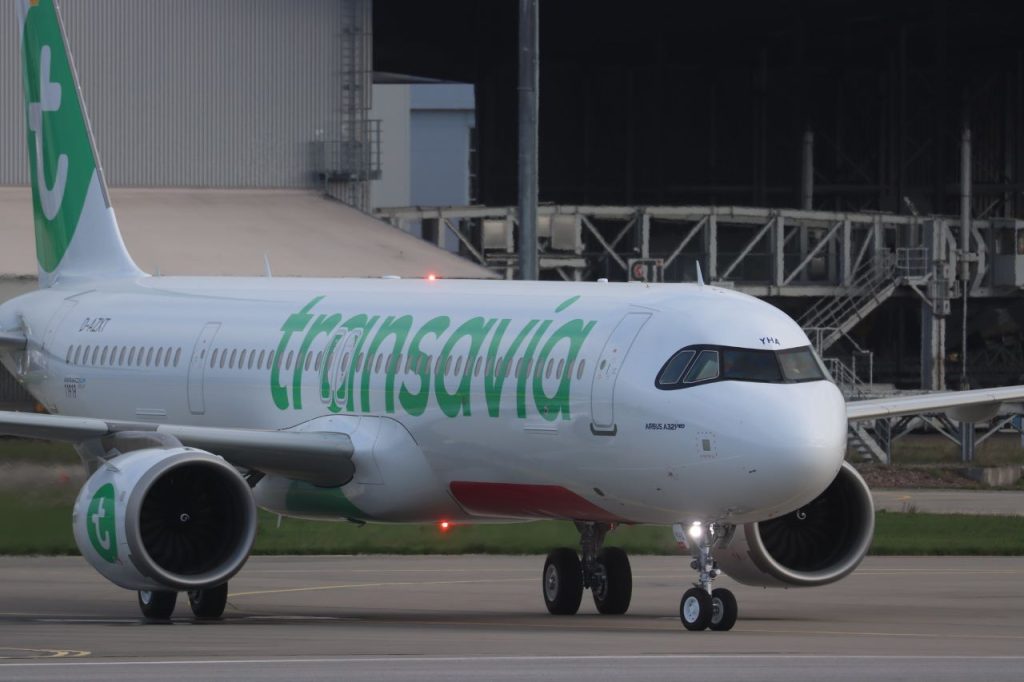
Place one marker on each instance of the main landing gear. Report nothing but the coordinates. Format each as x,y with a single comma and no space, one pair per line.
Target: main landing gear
702,607
206,604
605,571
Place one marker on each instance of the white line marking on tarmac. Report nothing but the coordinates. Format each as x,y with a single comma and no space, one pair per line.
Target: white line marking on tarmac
392,660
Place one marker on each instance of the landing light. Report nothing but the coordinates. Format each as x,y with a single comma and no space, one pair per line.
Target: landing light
444,526
696,530
431,277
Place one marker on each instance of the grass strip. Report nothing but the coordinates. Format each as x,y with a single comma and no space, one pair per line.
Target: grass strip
38,523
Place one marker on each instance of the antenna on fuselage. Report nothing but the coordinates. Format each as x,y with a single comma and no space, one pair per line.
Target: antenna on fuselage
700,275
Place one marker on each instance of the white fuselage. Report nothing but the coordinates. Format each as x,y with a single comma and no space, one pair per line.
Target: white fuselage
444,425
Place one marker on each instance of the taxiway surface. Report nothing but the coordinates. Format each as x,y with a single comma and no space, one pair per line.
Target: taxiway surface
481,617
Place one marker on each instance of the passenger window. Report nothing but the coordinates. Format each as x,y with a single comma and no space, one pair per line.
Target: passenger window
120,360
241,359
308,361
149,356
705,367
489,368
579,371
213,357
408,362
131,356
519,367
167,357
458,366
539,372
675,367
561,366
252,359
380,359
319,361
103,356
476,370
288,360
263,355
78,355
177,356
231,361
159,356
71,350
448,366
113,356
551,366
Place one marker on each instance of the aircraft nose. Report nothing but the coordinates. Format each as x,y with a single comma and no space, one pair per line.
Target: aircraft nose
795,437
808,442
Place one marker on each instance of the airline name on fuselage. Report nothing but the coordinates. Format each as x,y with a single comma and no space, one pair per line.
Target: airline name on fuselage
409,381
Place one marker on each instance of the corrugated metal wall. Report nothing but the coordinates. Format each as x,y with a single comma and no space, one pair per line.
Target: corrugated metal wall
196,93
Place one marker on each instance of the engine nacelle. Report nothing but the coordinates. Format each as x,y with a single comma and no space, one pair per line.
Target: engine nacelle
817,544
165,519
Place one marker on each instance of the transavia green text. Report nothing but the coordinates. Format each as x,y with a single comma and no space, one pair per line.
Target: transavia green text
411,376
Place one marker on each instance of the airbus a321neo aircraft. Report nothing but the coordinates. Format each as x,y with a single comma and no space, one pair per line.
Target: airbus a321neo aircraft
195,400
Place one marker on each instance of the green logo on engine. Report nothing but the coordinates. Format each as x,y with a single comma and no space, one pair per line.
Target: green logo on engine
99,522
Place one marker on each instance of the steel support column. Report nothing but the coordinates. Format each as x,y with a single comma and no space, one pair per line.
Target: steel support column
529,60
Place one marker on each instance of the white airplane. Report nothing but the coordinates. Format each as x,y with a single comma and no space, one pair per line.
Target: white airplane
194,400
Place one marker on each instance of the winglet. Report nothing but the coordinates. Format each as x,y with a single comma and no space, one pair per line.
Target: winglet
700,275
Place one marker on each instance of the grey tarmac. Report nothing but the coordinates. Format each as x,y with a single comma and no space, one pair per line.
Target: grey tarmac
482,617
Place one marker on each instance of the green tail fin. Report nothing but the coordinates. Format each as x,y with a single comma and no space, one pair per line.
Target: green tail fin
76,230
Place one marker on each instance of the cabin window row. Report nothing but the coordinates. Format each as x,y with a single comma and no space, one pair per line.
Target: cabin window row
225,358
123,356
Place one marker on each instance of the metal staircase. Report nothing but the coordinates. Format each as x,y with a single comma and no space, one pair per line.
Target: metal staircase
831,318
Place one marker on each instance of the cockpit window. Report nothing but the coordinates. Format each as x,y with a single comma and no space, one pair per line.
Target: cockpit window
705,368
702,364
750,365
673,371
799,364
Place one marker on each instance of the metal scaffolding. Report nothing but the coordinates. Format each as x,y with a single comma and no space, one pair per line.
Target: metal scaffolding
845,265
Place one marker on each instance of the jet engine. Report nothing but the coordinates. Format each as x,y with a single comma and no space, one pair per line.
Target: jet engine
165,519
817,544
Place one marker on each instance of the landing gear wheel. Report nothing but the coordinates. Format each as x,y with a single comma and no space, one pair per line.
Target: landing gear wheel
695,609
157,604
612,584
563,582
723,609
209,603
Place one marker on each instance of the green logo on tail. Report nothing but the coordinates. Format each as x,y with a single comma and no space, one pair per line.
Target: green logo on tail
61,161
100,525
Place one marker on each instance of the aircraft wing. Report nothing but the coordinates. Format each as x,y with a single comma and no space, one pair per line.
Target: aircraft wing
973,405
322,458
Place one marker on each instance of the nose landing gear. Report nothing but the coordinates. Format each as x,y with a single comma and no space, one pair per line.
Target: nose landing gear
702,607
605,571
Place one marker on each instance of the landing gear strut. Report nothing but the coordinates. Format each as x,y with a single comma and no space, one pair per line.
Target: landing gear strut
604,570
702,607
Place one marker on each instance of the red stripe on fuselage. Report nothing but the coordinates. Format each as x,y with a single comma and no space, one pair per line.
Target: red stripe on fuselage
515,500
